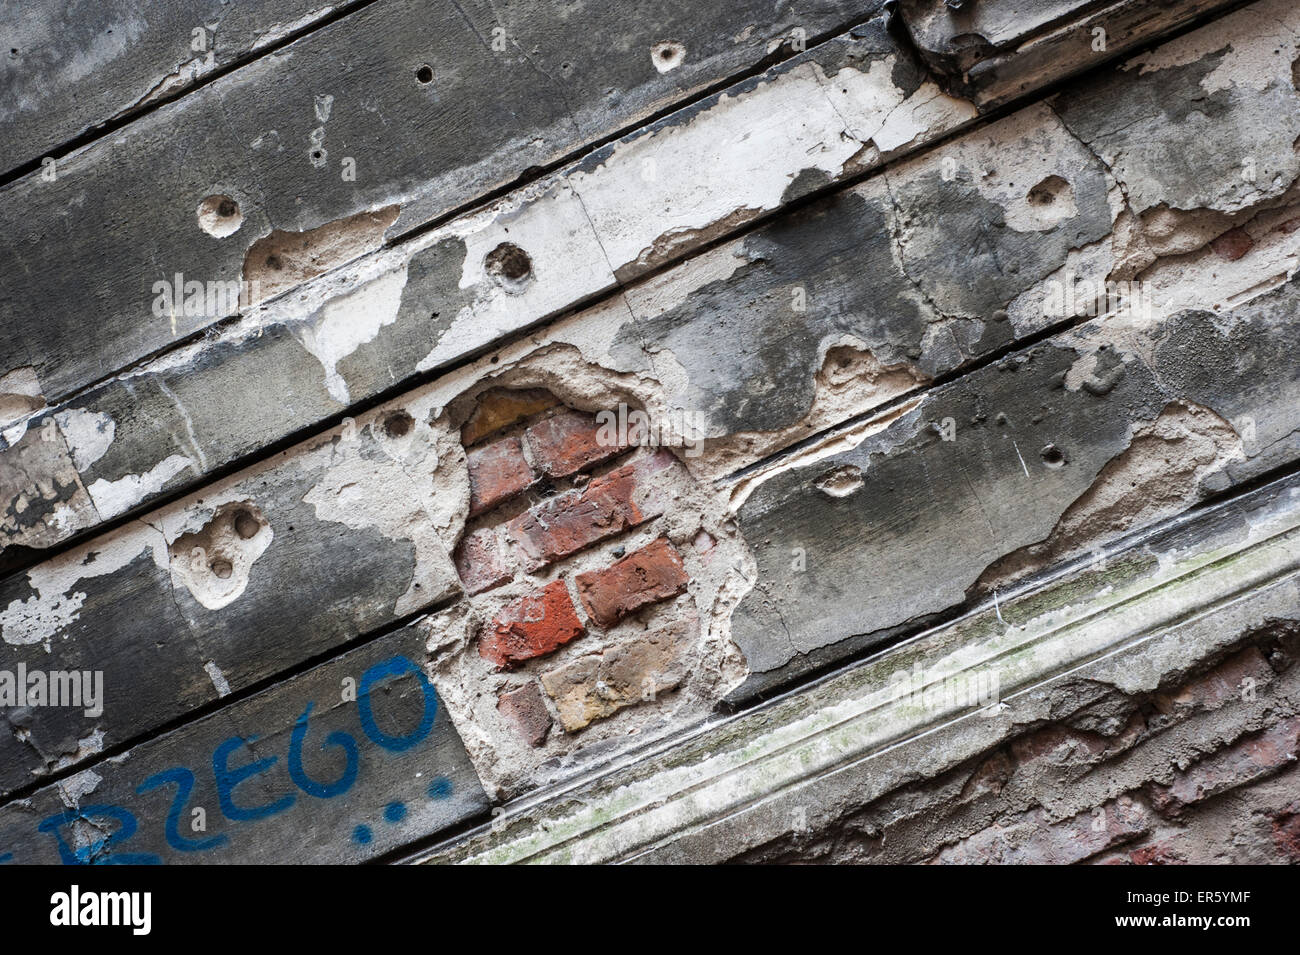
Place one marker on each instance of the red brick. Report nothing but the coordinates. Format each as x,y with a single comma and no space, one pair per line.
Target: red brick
643,577
1157,853
568,442
481,562
500,408
608,505
526,710
1286,834
497,472
1243,762
1233,244
532,626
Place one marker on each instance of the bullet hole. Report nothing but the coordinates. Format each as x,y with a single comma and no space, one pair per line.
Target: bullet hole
214,562
841,481
667,56
424,74
397,425
1052,456
510,266
246,525
219,216
1052,200
318,157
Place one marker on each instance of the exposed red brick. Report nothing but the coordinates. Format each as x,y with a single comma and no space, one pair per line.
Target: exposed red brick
1244,761
643,577
497,472
1286,835
525,708
1157,853
568,442
500,408
1233,244
481,562
532,626
595,686
608,505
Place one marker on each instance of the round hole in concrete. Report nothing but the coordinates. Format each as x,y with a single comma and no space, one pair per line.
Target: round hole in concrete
1053,456
510,266
222,568
397,425
1051,201
667,56
219,216
424,74
246,525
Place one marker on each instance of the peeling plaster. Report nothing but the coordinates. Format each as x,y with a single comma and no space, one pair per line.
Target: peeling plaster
348,322
40,618
117,497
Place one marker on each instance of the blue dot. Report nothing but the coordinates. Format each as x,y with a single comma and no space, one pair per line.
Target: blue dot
394,811
5,857
361,835
440,788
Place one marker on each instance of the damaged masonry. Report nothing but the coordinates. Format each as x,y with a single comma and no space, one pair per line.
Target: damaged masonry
865,435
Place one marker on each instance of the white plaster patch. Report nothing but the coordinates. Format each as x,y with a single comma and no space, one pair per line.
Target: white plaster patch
384,494
77,787
89,745
739,157
56,603
87,433
116,497
218,678
215,562
1255,52
347,323
567,265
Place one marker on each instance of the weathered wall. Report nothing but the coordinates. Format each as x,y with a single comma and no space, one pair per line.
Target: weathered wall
431,426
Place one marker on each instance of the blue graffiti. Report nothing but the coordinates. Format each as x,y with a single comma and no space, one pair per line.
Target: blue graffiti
6,857
107,850
228,779
184,781
96,851
393,667
299,775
